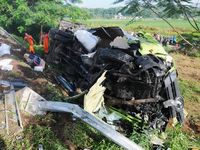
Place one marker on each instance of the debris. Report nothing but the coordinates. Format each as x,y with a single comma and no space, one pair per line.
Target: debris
4,49
66,25
127,76
65,84
9,36
94,99
150,46
28,100
88,40
5,64
40,147
106,35
77,96
7,67
34,104
40,67
6,116
109,117
87,58
174,99
12,112
17,50
131,38
35,62
120,42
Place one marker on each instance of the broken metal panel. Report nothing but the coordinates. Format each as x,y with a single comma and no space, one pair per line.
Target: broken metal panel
107,32
34,104
107,35
102,127
10,109
175,100
28,100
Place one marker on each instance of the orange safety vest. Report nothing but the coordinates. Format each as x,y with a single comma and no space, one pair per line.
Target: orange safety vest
46,43
29,39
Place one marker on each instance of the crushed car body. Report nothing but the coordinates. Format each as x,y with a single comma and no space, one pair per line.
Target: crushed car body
141,78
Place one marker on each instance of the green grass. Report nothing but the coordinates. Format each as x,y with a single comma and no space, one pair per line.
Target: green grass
148,25
84,136
190,90
35,134
179,140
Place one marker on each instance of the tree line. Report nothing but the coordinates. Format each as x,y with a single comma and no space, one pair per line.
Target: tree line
31,16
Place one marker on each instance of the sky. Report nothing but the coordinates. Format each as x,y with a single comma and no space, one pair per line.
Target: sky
98,4
104,3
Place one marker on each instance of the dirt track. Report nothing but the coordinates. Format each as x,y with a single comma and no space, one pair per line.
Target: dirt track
188,67
189,70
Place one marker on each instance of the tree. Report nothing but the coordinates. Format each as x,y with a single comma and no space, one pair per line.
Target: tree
31,16
170,8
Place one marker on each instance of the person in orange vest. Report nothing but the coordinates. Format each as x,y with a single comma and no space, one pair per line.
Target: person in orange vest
30,40
46,43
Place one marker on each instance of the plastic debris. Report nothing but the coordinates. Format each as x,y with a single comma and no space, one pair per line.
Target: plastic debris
94,100
4,49
5,64
88,40
120,42
37,63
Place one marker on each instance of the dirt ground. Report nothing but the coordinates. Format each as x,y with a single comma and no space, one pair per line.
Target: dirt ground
188,67
189,70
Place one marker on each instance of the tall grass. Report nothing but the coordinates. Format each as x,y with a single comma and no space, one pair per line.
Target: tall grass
148,25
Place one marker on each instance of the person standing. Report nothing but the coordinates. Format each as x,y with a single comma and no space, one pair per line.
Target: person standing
30,40
46,43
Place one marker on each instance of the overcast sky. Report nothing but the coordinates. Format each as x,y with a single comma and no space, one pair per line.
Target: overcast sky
103,3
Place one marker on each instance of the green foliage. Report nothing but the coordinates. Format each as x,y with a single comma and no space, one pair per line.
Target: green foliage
142,139
105,145
29,16
177,139
39,131
168,7
75,13
109,13
78,133
55,93
2,143
42,135
190,90
104,13
162,8
84,136
194,38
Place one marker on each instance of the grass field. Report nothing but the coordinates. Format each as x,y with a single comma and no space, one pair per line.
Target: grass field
148,25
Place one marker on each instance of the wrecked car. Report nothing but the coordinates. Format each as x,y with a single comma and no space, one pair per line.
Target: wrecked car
141,78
